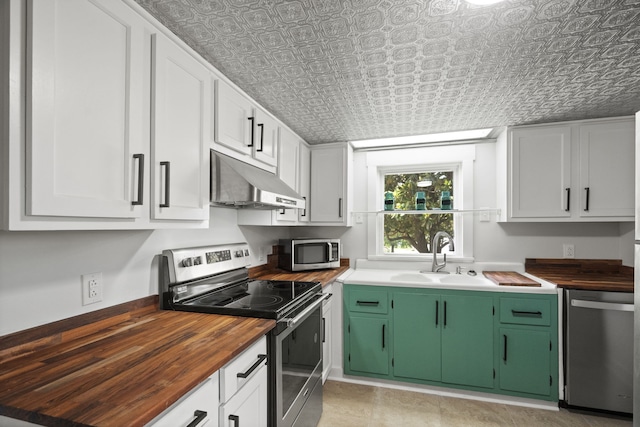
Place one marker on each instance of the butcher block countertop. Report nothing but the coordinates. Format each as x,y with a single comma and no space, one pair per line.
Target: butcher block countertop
125,367
584,274
325,276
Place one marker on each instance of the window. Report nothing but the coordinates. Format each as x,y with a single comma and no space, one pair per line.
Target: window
408,236
413,233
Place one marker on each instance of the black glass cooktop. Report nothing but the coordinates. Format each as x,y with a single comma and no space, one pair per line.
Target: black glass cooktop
269,299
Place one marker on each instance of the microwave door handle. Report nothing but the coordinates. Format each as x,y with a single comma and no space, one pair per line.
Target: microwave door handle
329,252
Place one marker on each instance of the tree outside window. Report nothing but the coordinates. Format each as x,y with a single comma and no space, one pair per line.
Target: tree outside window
413,233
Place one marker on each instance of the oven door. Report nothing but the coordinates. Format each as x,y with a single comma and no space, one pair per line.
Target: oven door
298,369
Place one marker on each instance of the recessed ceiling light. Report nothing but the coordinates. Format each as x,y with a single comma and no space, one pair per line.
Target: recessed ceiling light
483,2
423,139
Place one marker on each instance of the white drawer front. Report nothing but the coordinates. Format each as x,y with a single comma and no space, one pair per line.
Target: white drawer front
230,382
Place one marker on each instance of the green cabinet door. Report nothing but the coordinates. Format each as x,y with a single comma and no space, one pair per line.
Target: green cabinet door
368,344
467,340
525,360
416,336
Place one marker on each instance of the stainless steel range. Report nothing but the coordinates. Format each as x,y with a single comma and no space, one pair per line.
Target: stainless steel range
214,279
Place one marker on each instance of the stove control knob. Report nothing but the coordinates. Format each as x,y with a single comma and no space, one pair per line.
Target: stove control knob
187,262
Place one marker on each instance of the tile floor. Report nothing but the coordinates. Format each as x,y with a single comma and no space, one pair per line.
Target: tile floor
355,405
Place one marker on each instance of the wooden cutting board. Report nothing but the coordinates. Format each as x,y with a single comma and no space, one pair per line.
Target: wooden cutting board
509,278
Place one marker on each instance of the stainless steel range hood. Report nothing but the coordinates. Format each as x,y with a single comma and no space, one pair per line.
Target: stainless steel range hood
241,185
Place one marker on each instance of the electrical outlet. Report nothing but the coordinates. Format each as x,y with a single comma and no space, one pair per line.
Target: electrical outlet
91,288
568,251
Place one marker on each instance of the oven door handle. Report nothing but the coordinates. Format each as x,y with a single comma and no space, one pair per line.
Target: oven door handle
292,322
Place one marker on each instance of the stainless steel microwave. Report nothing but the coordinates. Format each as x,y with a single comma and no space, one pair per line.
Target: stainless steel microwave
308,254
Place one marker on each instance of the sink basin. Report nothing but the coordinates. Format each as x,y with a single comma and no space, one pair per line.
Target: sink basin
464,279
412,277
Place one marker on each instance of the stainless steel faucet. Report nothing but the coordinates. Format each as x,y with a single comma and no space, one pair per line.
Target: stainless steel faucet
435,267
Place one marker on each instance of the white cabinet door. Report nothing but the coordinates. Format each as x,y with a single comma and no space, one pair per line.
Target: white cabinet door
327,324
234,119
248,407
288,160
85,91
265,146
607,156
180,124
541,172
304,182
330,183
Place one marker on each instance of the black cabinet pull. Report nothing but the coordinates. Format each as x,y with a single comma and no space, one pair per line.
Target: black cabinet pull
324,329
568,190
167,184
587,207
140,159
340,207
445,314
504,355
252,130
261,126
304,211
261,358
367,302
437,313
383,336
199,417
235,419
526,313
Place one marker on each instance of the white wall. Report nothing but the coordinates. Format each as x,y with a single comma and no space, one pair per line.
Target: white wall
508,242
40,271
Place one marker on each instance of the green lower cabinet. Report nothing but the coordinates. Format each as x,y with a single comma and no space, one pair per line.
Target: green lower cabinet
368,344
416,336
496,342
467,340
525,360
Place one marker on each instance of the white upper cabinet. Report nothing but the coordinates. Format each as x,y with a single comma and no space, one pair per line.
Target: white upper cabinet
304,182
180,123
85,79
571,171
541,172
243,130
607,156
288,170
331,182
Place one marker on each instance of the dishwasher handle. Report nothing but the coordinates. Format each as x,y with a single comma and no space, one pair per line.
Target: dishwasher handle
598,305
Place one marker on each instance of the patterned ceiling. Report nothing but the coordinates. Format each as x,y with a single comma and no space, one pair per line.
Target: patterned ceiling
344,70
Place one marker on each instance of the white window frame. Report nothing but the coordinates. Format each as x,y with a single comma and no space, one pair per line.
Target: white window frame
459,158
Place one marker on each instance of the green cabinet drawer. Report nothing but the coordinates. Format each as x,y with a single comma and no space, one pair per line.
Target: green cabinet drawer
367,300
525,311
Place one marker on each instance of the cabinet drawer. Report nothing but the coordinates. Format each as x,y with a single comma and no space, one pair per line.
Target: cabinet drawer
524,311
367,300
242,368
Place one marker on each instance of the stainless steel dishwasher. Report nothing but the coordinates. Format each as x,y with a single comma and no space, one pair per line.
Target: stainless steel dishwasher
599,350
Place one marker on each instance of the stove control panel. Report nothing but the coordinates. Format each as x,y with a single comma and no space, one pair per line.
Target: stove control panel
193,263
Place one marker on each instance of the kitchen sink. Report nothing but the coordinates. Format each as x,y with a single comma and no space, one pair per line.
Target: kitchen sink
463,279
412,277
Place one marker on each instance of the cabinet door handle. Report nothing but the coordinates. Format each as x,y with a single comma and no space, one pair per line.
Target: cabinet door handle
367,302
437,313
304,211
261,126
526,313
587,206
324,329
199,417
383,336
251,143
140,159
568,190
445,314
167,184
340,207
261,358
235,419
504,354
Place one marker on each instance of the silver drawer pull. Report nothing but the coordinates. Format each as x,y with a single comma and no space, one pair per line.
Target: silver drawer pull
261,358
